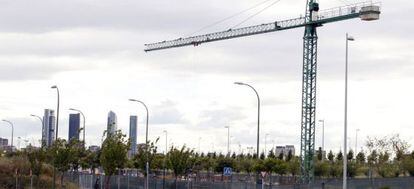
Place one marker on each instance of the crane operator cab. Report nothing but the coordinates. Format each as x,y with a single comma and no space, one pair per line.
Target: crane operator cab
369,13
314,8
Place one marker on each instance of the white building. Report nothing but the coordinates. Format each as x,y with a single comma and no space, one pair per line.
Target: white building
285,150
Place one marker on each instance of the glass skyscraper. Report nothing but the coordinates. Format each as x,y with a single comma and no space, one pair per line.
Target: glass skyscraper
112,123
133,135
74,125
48,130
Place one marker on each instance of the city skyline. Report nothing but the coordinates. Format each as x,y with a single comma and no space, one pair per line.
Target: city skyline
98,63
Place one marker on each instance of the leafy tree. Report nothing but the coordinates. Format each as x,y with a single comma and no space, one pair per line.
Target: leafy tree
408,164
271,154
179,160
331,156
223,162
233,155
262,156
360,158
294,166
246,165
36,159
281,167
143,155
61,154
91,160
320,154
281,155
350,155
289,156
339,156
322,169
114,154
259,166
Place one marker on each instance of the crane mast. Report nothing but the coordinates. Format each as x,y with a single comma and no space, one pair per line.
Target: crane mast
310,44
313,19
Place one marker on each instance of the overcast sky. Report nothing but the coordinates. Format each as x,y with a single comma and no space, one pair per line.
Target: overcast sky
93,50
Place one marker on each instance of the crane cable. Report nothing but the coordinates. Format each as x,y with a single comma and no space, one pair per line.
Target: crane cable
229,17
250,17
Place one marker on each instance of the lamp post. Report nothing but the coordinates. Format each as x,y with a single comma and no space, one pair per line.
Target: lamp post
84,120
199,141
56,130
267,134
165,157
146,140
12,133
228,139
258,115
344,185
57,111
323,136
41,120
356,141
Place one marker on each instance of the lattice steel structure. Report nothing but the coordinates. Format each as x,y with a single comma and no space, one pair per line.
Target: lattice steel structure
313,18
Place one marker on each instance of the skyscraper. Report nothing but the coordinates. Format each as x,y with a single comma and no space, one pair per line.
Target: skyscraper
112,123
74,122
48,130
133,135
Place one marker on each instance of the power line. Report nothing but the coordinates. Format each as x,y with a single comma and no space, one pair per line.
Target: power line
229,17
250,17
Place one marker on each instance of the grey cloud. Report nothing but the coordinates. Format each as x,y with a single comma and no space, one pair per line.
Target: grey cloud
215,118
30,70
167,113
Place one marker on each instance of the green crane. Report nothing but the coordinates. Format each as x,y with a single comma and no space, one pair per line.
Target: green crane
313,19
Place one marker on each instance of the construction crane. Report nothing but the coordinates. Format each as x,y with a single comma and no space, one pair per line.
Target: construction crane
313,19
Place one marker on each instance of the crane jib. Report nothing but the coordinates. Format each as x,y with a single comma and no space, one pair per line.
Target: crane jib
366,11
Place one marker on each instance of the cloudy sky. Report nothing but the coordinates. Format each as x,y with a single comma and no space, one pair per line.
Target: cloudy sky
93,50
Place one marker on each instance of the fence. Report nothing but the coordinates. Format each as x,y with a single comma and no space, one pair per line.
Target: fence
86,181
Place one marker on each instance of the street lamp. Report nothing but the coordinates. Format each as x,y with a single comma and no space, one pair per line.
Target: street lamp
258,115
56,131
228,139
199,141
57,111
267,134
323,135
146,139
344,185
84,119
11,124
41,120
356,140
165,157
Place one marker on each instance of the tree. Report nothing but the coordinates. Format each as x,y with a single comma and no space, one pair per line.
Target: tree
281,155
339,156
360,158
350,155
179,160
91,160
144,155
330,156
262,156
246,165
320,154
36,159
271,154
322,169
289,156
294,166
114,154
60,152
